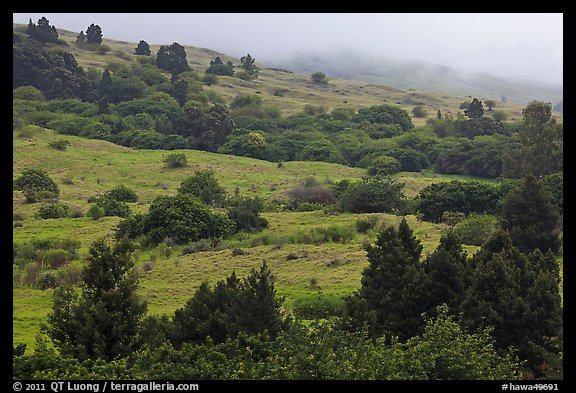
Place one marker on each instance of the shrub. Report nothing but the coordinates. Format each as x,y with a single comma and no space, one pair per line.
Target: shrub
476,229
245,213
319,306
204,185
75,212
121,193
175,160
373,195
384,165
34,181
462,196
59,144
181,217
112,207
315,194
28,93
96,212
52,210
419,111
363,225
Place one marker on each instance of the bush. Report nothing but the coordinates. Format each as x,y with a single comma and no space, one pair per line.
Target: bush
175,160
96,212
315,194
319,306
28,93
121,193
245,213
419,111
384,165
363,225
52,210
204,185
461,196
373,195
75,212
112,207
476,229
181,217
34,181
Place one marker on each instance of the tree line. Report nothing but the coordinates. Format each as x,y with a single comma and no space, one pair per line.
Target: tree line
140,106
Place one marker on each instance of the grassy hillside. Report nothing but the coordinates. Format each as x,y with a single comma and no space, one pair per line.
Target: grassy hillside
409,75
288,90
90,167
301,265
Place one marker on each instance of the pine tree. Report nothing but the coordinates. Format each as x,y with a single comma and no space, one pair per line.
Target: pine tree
143,49
518,296
172,58
529,215
81,38
104,321
94,34
393,283
446,274
475,109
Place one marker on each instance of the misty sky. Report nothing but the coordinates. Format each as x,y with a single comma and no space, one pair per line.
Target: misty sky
524,45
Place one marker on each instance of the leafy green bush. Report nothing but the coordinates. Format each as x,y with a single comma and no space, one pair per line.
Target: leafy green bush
476,229
121,193
384,165
204,185
52,210
462,196
373,195
113,207
96,212
181,217
245,213
34,181
59,144
175,160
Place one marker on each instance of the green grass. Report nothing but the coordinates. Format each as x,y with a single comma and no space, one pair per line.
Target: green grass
31,307
167,283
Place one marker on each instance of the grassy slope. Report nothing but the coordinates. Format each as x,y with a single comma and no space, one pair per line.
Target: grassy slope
297,89
96,166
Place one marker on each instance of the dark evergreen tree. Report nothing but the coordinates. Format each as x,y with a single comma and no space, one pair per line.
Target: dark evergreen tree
42,32
542,140
94,34
392,285
180,91
518,296
106,86
143,49
81,38
530,216
447,274
248,63
249,305
172,58
104,321
475,109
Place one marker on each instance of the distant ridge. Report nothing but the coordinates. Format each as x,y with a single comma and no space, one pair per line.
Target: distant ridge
422,76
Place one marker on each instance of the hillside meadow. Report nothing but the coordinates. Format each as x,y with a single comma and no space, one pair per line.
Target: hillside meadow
302,265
